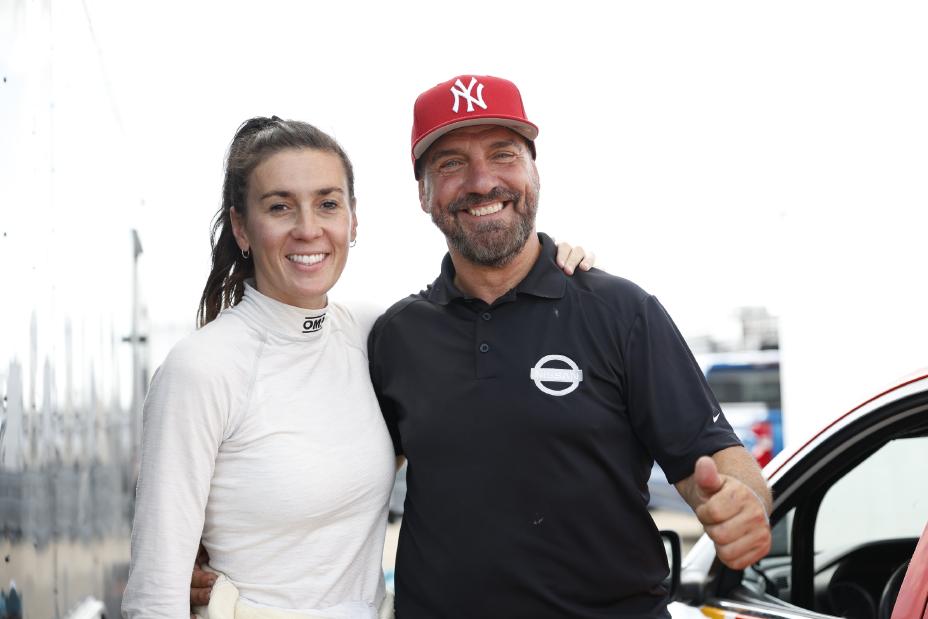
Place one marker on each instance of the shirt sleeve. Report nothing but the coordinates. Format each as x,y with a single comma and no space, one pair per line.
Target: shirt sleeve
670,404
388,407
183,420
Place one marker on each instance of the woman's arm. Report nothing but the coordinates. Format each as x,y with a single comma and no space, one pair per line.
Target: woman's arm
183,421
570,257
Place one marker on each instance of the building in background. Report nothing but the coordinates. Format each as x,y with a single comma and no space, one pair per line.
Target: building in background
73,360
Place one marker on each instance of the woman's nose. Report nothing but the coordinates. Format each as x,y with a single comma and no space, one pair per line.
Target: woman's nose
306,225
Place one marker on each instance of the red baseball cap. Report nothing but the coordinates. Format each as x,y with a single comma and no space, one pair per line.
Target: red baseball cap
467,100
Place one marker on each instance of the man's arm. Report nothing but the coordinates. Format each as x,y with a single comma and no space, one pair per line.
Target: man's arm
201,582
732,501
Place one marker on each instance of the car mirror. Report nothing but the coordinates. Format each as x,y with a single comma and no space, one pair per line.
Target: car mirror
671,542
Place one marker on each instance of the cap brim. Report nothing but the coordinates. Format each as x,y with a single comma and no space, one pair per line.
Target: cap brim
523,128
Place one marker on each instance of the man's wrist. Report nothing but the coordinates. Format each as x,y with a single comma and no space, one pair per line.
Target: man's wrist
763,503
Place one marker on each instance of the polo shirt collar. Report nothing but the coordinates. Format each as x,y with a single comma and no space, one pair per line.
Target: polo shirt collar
545,280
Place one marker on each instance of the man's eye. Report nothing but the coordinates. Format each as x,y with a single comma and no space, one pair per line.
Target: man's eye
449,165
278,207
330,205
504,156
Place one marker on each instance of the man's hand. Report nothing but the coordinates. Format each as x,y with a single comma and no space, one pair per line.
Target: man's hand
569,258
734,515
201,582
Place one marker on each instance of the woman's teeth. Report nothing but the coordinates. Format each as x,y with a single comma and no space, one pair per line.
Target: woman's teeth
486,210
306,258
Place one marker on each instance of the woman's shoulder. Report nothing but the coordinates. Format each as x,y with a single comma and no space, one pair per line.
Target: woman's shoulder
358,317
225,339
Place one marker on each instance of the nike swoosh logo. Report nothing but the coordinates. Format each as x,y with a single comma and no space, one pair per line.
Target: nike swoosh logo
715,417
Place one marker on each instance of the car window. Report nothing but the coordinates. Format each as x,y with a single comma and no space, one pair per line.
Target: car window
773,573
780,533
884,497
865,527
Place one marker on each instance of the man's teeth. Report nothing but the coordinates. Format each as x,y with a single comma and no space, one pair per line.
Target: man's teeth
489,209
306,258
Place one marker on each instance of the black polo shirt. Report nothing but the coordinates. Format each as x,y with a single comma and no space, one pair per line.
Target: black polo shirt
530,426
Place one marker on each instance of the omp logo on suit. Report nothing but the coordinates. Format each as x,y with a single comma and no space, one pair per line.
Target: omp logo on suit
313,323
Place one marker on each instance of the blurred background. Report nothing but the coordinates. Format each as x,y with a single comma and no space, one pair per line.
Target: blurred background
760,167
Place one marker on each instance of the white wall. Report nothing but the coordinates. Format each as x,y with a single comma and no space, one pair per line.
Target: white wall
721,154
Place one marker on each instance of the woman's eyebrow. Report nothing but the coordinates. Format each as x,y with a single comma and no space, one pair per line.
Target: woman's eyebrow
283,193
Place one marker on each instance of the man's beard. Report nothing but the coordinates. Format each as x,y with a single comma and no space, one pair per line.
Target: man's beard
491,243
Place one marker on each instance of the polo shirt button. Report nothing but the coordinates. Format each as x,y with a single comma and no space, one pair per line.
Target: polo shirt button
484,347
486,316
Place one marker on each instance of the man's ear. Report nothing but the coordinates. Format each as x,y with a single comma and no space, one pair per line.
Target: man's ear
423,200
238,229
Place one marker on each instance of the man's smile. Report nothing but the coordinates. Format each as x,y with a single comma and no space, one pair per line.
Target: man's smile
487,209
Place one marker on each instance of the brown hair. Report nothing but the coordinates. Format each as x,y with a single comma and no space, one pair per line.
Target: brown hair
256,140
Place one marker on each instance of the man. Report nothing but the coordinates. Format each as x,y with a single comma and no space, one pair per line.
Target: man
530,405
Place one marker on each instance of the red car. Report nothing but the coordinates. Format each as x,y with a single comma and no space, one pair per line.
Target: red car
849,508
912,600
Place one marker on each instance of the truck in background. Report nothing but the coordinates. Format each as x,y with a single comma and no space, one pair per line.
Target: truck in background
747,385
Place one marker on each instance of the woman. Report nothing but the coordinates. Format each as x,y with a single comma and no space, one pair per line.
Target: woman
261,431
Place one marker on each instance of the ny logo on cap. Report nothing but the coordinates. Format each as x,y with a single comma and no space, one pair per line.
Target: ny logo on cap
460,92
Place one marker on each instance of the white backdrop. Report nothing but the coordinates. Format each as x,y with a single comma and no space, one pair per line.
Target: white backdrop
721,154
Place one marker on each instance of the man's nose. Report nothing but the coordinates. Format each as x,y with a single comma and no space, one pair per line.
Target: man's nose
480,178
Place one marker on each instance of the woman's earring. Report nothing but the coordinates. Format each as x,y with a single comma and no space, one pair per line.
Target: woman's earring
246,253
353,243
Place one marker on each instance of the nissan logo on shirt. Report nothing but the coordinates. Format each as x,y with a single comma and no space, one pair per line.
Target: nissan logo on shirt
313,323
572,376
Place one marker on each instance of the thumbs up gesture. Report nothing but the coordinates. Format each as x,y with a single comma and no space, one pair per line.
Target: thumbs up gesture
733,515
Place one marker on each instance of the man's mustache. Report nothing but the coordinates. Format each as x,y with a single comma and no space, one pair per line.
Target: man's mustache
497,194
